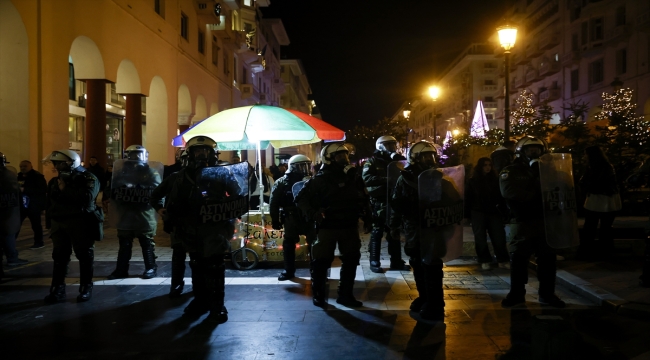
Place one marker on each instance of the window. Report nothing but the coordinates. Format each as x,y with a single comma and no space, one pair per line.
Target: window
201,42
489,99
584,33
248,2
596,72
184,25
489,82
575,80
72,86
215,51
244,76
620,15
489,65
556,57
621,61
597,29
226,70
248,27
234,68
159,7
489,116
574,42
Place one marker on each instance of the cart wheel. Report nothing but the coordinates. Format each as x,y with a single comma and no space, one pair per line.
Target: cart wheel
245,259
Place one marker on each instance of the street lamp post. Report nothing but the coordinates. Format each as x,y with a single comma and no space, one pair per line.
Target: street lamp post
507,38
407,115
434,93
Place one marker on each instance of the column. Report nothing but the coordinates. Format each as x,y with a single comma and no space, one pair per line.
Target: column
133,120
95,123
184,122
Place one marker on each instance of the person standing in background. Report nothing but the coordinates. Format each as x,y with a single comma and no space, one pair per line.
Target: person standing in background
33,188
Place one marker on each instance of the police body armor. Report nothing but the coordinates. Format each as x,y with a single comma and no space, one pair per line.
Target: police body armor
441,210
295,189
559,200
223,193
393,172
131,187
9,202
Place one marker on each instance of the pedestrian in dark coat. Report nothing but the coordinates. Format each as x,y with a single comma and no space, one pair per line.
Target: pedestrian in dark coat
33,188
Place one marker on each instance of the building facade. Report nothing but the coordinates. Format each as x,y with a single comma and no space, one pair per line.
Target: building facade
98,76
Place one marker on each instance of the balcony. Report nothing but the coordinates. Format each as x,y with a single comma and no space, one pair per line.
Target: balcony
520,58
549,40
489,87
490,104
519,83
570,58
618,34
549,68
532,76
532,50
549,95
487,71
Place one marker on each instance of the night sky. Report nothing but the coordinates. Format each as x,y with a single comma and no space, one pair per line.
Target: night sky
364,58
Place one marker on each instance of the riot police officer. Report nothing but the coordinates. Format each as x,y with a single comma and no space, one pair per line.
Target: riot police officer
134,178
284,212
330,199
178,252
76,223
520,186
206,241
428,276
9,215
375,178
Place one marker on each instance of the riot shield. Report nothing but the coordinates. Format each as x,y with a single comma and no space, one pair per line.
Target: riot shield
393,171
295,189
559,199
131,186
441,194
224,193
9,202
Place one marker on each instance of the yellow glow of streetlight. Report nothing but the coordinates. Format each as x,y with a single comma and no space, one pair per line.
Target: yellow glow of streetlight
455,132
434,92
507,36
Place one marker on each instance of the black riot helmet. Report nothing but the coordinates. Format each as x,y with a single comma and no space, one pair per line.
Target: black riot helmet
531,148
201,151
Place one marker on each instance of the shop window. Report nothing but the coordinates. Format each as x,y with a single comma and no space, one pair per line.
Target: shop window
621,61
184,27
201,39
159,7
597,29
215,51
596,71
620,15
72,86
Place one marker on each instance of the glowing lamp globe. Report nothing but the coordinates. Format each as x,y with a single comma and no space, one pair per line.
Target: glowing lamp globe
434,92
507,36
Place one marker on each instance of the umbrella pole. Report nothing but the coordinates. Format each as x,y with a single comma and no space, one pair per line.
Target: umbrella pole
260,182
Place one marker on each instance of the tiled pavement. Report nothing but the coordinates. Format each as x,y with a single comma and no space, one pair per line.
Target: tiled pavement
133,318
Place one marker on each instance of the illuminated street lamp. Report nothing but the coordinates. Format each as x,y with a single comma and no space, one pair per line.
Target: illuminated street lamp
507,38
407,114
434,93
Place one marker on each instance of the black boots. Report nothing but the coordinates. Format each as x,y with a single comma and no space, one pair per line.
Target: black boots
346,284
216,289
289,249
178,271
374,250
395,252
85,293
150,267
199,305
56,295
123,256
318,270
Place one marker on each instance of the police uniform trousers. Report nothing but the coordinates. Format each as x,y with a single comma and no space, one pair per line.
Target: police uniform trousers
178,262
528,238
67,236
207,244
294,226
428,277
126,244
322,255
379,226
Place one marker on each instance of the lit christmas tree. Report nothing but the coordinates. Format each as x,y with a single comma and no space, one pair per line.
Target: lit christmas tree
627,133
522,114
479,123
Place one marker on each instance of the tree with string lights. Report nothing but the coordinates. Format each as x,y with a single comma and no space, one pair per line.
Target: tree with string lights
528,121
627,134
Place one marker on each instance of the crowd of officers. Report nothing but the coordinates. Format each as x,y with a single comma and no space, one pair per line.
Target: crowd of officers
325,207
